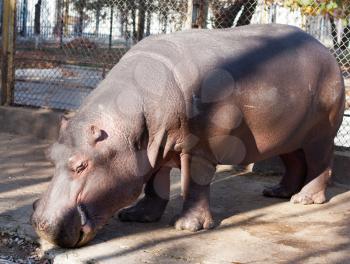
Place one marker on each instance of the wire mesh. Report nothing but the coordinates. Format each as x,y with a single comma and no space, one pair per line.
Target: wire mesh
66,47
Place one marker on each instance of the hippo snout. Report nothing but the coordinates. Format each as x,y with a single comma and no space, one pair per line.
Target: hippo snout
66,230
35,204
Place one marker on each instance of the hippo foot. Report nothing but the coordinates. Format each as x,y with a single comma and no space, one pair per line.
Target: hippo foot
307,198
194,221
148,209
278,191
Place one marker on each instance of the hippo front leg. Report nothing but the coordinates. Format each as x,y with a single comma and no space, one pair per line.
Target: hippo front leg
151,207
196,213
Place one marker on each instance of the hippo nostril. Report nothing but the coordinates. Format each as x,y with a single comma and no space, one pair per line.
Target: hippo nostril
41,226
82,213
86,230
35,204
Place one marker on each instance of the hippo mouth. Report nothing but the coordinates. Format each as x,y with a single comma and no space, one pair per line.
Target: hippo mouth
87,232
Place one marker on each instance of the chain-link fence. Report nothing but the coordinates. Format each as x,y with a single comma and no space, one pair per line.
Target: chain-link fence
65,47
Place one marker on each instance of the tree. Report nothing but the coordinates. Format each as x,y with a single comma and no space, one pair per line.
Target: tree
37,17
172,11
133,20
97,18
80,6
83,6
24,14
111,27
332,9
148,22
225,12
197,13
135,14
96,6
141,19
163,7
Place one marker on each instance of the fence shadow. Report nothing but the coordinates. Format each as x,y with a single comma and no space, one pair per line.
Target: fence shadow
237,204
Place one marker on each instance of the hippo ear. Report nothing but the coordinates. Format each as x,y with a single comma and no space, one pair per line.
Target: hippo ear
96,135
154,144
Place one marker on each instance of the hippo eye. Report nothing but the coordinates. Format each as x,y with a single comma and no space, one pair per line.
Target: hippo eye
77,163
82,166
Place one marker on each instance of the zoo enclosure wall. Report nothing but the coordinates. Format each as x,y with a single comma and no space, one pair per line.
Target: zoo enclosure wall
63,48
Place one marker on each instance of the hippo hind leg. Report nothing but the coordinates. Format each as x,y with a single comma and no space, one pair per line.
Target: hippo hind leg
294,177
152,206
319,158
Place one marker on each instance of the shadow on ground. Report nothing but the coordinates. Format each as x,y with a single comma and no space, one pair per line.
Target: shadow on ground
24,173
251,228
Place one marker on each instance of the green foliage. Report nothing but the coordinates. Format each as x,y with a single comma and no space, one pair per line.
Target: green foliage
334,8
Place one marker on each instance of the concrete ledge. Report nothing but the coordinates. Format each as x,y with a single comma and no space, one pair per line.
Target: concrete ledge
44,124
341,168
40,123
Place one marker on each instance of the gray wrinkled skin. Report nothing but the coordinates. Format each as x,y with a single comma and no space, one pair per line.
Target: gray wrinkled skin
193,100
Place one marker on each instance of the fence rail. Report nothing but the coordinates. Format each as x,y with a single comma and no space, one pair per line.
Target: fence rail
65,47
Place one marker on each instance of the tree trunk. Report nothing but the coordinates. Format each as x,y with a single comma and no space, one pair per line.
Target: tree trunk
58,16
345,38
197,13
122,19
126,25
334,33
58,11
24,18
141,20
273,12
133,19
163,8
80,21
61,32
97,15
66,17
247,13
37,18
202,15
164,21
224,17
148,22
1,15
111,27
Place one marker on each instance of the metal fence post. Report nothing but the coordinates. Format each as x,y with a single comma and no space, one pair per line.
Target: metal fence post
8,52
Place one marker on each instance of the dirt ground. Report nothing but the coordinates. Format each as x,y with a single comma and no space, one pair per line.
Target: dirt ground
251,228
16,249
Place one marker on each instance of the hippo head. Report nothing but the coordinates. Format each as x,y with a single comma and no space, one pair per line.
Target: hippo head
97,172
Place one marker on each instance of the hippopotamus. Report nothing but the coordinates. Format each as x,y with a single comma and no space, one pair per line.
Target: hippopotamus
193,100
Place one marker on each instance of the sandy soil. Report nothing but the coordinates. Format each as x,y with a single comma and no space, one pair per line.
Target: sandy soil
250,228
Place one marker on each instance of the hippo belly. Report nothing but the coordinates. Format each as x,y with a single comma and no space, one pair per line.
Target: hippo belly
280,96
